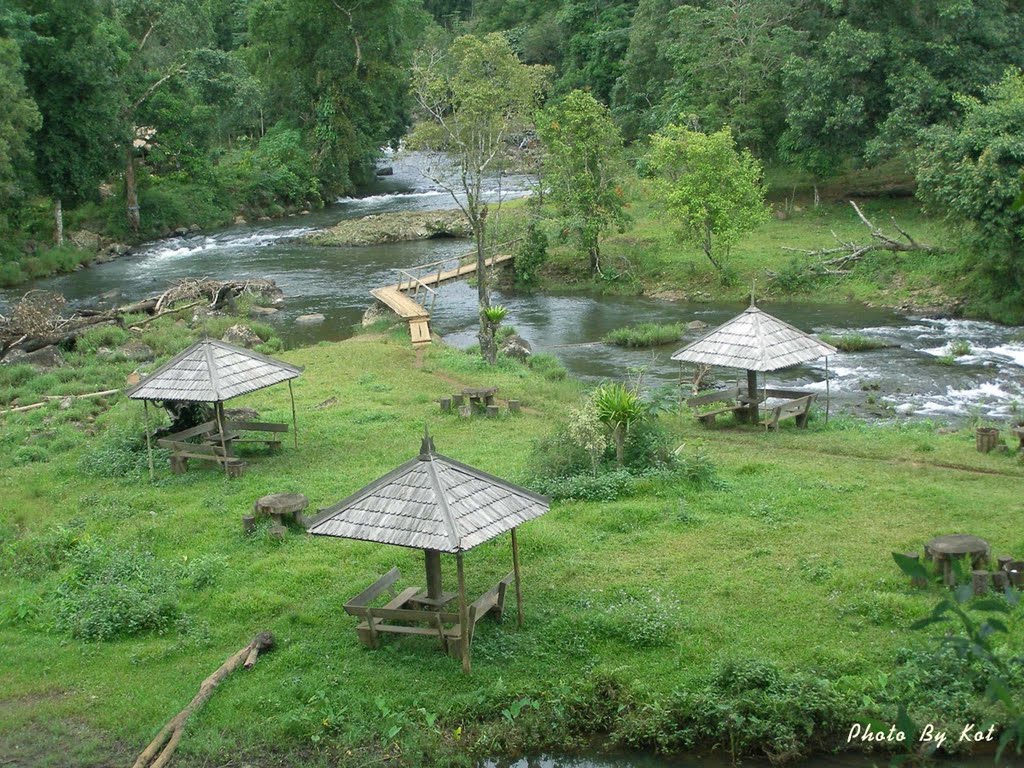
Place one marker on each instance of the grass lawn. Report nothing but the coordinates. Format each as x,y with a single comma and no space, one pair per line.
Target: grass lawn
633,608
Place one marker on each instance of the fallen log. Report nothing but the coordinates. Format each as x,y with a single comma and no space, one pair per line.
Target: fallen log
837,261
160,750
37,321
50,398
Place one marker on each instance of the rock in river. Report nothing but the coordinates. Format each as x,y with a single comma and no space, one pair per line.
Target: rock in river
516,347
394,228
314,319
241,336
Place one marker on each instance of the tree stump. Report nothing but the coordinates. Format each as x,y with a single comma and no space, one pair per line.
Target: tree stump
492,411
446,404
236,468
458,400
465,411
1003,560
281,506
278,532
249,524
179,465
1015,577
986,439
979,581
1000,579
916,581
513,406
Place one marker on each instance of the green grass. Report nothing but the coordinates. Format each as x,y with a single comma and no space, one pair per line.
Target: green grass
645,335
854,342
641,614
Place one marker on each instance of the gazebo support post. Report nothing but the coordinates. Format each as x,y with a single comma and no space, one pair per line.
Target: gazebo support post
519,586
149,444
463,614
752,413
432,559
295,424
218,409
828,391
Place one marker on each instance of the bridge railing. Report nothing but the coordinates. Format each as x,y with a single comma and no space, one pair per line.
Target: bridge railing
408,277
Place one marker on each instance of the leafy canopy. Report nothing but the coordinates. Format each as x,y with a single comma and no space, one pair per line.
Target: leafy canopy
583,167
713,191
972,173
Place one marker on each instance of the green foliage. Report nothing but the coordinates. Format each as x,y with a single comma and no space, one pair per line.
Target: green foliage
854,342
645,335
548,366
619,408
713,192
607,486
531,252
971,172
19,120
120,453
583,167
107,593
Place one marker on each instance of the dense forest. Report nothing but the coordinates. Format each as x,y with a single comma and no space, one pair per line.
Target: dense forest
133,117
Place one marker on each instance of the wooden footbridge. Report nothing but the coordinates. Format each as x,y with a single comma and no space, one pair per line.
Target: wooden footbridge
404,297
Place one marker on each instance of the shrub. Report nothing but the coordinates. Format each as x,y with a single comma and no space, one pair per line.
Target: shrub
531,253
960,348
548,366
645,335
33,557
101,336
111,593
607,486
120,453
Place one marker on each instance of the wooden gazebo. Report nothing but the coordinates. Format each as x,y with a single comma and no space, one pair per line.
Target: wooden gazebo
755,341
213,371
439,505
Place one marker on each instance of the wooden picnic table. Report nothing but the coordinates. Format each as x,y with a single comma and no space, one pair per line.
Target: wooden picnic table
944,549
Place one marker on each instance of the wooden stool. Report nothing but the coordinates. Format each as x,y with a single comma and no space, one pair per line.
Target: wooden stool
281,505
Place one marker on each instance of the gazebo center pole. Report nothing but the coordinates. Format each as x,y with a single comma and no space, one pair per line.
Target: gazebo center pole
432,559
149,444
752,414
463,614
515,570
218,409
295,424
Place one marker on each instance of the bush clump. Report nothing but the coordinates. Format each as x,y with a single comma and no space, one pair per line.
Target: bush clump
120,453
854,342
108,593
645,335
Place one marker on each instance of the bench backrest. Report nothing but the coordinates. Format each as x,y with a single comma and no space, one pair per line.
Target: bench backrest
714,396
368,594
255,426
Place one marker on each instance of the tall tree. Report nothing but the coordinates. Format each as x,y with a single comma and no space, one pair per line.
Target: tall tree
646,69
18,121
475,98
73,67
880,71
972,173
714,191
339,71
583,167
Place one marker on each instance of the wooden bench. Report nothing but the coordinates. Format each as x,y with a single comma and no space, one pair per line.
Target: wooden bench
797,409
728,396
235,433
394,618
182,449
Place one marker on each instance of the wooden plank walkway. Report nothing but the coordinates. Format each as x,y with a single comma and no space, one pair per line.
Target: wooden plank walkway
399,302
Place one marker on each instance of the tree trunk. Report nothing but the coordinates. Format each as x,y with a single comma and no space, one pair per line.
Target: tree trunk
486,334
620,444
595,260
817,197
58,223
130,190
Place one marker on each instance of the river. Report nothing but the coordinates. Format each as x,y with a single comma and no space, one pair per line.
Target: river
908,379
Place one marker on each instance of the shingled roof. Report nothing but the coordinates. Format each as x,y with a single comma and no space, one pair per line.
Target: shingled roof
431,502
212,371
755,341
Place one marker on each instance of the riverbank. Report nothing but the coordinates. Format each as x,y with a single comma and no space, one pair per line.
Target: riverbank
755,591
